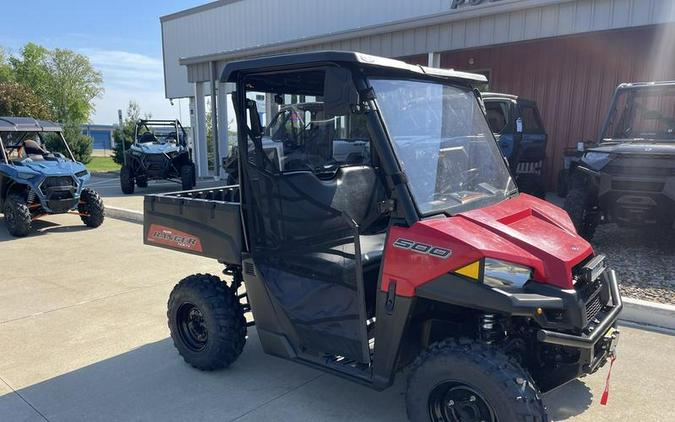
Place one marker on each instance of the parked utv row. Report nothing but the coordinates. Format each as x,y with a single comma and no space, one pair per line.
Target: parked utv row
35,182
375,227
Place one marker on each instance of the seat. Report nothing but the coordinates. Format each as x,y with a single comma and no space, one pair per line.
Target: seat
31,147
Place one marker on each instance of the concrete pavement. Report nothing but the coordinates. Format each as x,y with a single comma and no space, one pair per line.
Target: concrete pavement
83,337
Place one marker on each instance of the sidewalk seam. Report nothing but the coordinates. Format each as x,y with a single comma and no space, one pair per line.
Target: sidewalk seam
24,399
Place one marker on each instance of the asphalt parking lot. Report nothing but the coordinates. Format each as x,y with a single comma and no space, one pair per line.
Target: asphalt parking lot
83,337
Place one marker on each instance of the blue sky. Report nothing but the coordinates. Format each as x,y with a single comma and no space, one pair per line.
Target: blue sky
122,39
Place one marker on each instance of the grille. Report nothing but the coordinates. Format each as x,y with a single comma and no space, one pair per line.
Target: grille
638,186
248,268
639,171
155,161
593,307
57,182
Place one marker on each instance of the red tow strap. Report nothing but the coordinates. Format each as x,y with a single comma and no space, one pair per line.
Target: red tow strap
605,394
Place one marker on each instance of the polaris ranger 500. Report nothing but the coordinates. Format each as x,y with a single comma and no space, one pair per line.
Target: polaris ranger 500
414,249
35,182
628,177
159,152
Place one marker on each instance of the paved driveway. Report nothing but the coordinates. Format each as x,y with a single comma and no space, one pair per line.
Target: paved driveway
83,337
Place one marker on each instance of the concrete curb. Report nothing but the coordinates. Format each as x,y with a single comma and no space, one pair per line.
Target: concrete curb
124,214
648,313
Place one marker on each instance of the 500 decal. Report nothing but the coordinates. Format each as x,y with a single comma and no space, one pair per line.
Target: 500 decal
422,248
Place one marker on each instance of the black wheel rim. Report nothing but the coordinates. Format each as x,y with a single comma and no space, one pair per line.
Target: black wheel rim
457,402
192,327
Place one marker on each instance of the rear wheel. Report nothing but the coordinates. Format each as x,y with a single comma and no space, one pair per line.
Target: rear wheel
206,321
91,209
583,213
126,180
17,216
465,381
187,176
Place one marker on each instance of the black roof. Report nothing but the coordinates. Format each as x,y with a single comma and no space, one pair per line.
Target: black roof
27,124
232,69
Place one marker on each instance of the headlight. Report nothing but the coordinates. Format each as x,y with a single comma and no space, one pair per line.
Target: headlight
498,273
596,159
25,175
81,173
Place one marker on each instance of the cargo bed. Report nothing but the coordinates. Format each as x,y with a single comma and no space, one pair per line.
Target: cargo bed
204,222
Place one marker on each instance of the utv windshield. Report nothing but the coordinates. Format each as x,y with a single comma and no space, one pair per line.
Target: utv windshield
643,113
444,145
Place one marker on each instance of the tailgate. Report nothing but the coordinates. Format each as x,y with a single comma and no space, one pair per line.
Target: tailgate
204,222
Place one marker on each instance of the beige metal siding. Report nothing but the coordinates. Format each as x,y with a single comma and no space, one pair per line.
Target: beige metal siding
248,28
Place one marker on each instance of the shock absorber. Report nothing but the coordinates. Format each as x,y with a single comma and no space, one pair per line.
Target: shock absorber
487,328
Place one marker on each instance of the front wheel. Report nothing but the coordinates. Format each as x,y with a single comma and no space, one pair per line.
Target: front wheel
206,322
17,216
91,208
463,380
126,180
187,176
582,212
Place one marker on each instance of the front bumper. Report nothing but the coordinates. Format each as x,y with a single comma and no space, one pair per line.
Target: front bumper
598,339
635,199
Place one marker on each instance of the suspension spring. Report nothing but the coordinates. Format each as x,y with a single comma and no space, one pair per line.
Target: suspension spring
487,328
30,197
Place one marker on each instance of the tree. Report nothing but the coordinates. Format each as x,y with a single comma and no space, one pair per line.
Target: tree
80,144
6,72
128,130
30,69
17,99
63,85
74,85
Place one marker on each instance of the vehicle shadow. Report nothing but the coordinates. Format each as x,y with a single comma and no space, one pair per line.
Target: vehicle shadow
569,400
41,228
152,382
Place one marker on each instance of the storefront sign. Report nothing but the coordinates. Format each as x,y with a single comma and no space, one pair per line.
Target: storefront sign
456,3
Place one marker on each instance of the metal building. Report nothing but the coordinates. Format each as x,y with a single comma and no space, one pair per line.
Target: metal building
568,55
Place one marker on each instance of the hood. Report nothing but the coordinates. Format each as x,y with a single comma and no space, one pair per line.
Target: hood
523,230
57,167
155,148
636,147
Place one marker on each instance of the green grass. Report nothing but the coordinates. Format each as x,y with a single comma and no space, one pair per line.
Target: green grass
102,164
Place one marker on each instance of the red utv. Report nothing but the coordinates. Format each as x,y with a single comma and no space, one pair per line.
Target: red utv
379,230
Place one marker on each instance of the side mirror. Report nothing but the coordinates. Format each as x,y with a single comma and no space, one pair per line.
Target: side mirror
339,92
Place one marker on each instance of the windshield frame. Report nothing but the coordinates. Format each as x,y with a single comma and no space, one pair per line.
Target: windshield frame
632,92
453,209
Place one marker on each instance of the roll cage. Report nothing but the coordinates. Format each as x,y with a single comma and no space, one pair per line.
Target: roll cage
22,126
